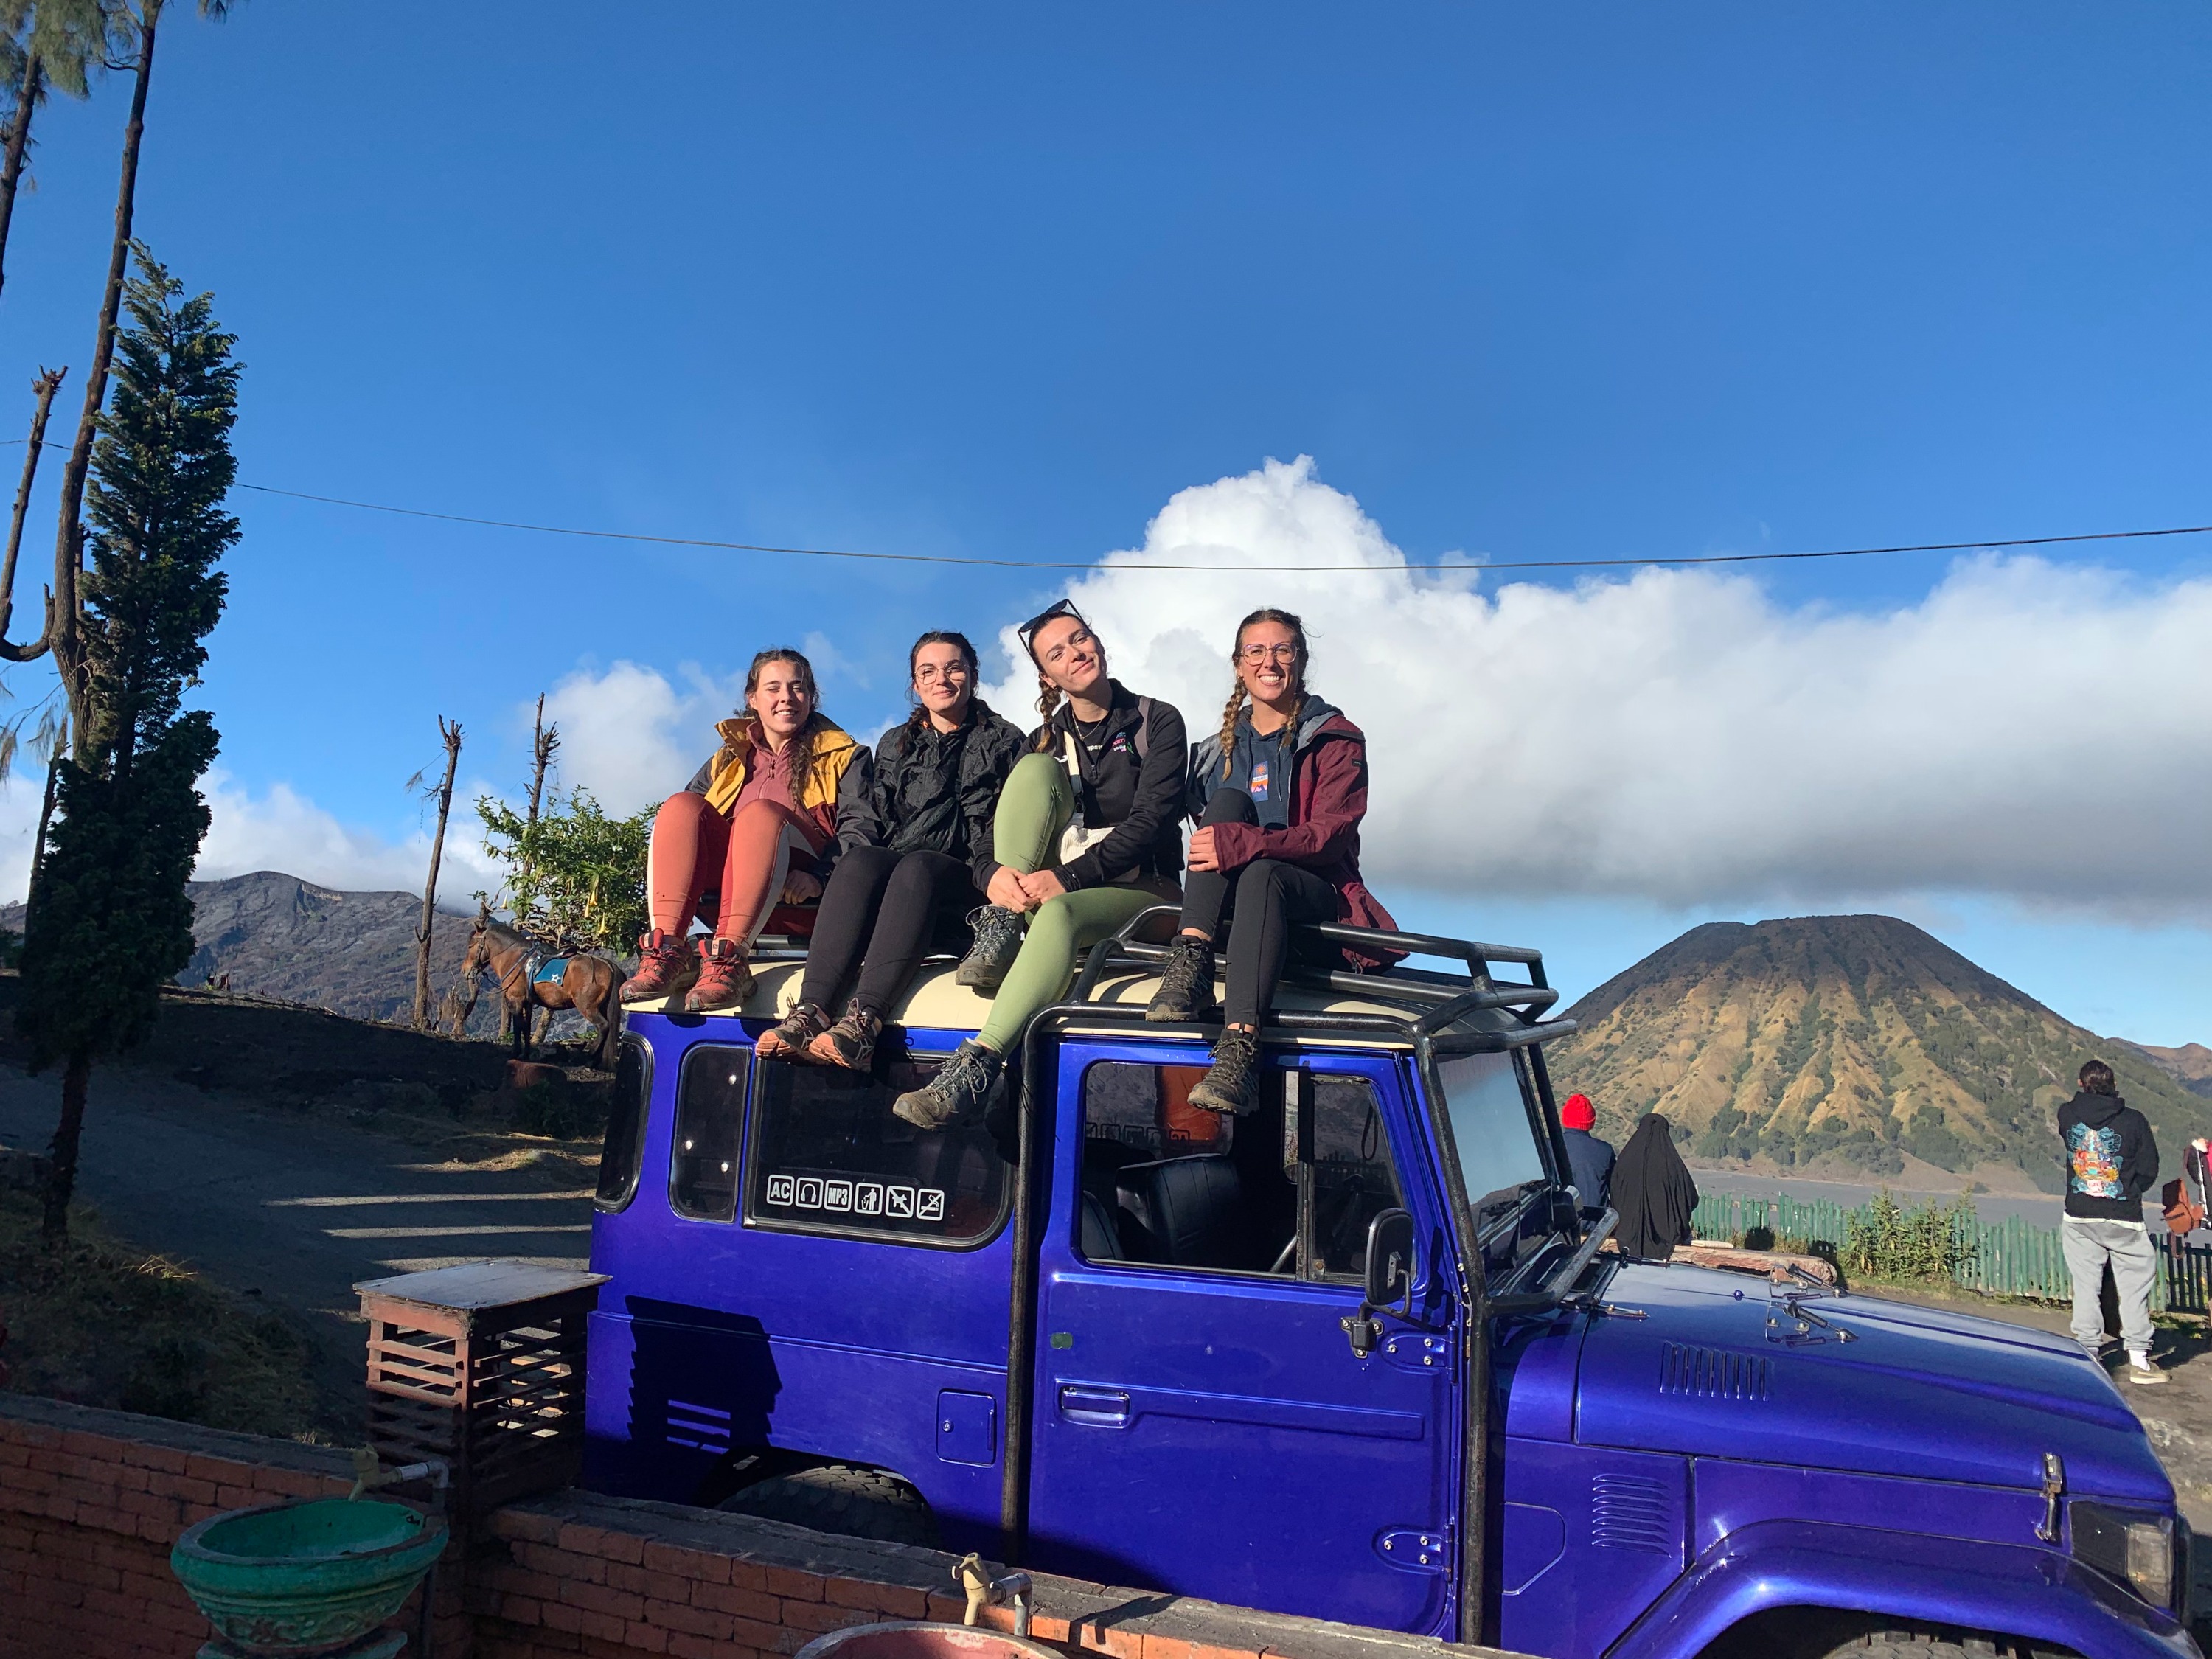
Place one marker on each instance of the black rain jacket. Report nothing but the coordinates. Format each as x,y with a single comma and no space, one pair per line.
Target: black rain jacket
935,791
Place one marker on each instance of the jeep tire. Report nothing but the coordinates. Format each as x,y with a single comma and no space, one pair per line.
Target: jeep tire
840,1499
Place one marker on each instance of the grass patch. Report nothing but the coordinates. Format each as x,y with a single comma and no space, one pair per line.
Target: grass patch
99,1322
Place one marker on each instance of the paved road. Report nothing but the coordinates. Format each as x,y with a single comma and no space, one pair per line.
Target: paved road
290,1209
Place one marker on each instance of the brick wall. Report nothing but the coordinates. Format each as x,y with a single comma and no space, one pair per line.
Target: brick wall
90,1502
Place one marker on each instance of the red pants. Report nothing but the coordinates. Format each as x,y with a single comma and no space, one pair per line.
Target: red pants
739,861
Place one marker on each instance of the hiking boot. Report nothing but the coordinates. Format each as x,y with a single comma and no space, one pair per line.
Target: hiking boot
788,1038
962,1088
725,979
850,1042
1227,1085
666,968
997,942
2142,1370
1186,990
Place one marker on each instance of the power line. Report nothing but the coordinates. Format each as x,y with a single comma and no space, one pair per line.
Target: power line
1475,566
1091,564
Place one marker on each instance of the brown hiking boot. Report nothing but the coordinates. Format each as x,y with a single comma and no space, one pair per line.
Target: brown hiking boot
725,979
788,1039
850,1042
667,968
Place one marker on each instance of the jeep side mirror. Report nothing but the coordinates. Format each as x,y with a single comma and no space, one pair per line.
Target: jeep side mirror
1389,1280
1390,1258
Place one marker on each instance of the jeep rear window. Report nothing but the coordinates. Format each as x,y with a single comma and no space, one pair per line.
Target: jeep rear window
624,1149
710,1113
1499,1157
826,1155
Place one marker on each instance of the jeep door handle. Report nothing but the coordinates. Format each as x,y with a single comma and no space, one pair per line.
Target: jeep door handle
1096,1409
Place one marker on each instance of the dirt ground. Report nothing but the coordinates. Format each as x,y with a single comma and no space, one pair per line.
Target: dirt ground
276,1157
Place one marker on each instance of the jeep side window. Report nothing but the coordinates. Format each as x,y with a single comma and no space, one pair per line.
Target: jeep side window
1492,1131
624,1149
702,1156
826,1155
1168,1184
1354,1180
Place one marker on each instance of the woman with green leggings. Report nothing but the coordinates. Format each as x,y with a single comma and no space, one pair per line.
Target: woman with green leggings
1088,833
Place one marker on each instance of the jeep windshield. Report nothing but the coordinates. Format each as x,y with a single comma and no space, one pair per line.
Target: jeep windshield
1492,1134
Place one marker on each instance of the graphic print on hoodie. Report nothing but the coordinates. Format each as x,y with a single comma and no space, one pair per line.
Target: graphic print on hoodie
2111,1158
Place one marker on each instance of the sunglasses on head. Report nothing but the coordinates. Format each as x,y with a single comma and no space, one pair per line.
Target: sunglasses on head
1027,631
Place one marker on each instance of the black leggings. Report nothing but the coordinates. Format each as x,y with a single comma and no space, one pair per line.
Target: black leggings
879,914
1268,895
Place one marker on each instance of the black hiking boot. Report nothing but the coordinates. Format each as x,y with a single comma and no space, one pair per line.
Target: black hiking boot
1227,1086
997,942
787,1040
1186,992
960,1090
850,1042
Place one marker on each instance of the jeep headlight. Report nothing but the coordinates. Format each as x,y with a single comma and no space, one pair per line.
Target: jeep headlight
2136,1549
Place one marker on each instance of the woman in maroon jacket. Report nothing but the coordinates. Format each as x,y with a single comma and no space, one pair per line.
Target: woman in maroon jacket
1278,794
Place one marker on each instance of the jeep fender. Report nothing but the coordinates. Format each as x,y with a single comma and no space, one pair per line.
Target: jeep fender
2038,1594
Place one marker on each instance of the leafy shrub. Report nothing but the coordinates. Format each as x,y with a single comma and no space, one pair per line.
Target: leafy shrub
1932,1241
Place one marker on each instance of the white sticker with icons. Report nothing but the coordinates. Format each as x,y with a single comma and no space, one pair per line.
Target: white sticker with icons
849,1197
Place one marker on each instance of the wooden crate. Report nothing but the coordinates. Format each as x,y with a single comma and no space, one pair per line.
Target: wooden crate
481,1364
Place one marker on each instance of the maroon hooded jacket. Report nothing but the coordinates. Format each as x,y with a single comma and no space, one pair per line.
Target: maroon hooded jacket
1328,798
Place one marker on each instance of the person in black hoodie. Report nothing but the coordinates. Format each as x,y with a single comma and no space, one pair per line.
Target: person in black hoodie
2112,1160
924,826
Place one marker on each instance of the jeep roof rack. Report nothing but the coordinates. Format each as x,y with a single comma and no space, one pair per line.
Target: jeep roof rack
1448,995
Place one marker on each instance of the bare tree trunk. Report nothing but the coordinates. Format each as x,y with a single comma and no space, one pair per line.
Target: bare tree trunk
61,1178
45,387
452,735
19,139
46,823
62,636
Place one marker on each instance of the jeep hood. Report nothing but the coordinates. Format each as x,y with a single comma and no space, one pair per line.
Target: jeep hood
1916,1392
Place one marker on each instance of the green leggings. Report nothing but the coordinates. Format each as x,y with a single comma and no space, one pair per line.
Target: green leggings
1034,808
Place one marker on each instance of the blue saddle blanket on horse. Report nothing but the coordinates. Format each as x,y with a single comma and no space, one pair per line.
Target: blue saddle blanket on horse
550,970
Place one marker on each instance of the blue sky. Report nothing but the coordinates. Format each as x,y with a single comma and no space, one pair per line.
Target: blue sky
999,281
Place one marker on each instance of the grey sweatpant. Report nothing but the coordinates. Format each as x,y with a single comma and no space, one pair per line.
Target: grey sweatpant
2088,1245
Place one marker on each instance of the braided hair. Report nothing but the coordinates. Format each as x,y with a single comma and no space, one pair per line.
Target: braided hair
802,745
918,720
1237,693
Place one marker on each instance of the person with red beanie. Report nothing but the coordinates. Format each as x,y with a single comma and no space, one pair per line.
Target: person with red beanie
1589,1160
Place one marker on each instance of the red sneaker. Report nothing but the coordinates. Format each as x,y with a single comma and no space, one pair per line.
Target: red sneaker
667,969
725,980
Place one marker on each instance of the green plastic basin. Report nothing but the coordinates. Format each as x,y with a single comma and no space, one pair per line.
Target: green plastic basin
305,1577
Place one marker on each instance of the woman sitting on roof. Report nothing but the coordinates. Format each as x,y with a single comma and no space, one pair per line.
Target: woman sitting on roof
1087,836
1278,795
760,823
926,860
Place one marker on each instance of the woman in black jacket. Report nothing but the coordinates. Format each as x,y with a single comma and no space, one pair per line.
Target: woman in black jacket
1088,835
927,825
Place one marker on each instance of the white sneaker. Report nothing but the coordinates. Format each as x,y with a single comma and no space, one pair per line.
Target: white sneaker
2141,1369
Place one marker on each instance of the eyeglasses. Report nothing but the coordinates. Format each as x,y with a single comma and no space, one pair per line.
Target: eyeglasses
929,673
1256,654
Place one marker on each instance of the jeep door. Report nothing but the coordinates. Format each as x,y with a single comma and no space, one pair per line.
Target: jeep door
1202,1424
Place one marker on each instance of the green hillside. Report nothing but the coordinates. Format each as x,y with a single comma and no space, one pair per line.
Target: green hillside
1849,1046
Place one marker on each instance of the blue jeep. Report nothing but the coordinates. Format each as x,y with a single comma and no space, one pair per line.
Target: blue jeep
1353,1356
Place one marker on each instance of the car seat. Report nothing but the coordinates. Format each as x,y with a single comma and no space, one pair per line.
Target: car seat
1184,1212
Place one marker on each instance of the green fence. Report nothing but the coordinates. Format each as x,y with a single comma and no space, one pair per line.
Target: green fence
2011,1257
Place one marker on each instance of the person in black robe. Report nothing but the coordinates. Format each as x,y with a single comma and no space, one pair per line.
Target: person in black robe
1653,1192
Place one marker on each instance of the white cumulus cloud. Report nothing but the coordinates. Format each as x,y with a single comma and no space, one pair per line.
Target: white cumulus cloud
2037,731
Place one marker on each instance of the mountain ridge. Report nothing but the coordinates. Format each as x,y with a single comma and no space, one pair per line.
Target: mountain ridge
1852,1046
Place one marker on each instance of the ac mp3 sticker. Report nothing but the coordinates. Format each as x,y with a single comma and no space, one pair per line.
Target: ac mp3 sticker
849,1197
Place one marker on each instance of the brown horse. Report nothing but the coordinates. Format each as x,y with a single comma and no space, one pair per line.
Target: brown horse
532,976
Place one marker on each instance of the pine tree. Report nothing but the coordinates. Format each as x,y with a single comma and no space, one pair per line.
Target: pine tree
111,920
